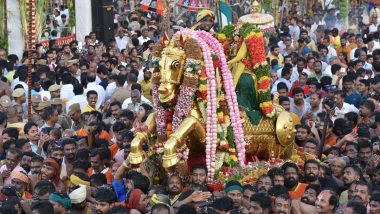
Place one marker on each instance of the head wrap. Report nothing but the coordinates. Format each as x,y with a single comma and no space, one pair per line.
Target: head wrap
134,199
56,167
78,195
77,181
201,16
65,201
21,176
234,187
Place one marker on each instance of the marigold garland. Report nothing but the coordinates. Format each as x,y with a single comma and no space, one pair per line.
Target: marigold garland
255,42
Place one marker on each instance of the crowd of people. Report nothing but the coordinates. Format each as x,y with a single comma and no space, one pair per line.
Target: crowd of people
87,104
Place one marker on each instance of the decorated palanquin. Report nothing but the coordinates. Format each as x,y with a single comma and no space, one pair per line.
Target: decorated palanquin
199,110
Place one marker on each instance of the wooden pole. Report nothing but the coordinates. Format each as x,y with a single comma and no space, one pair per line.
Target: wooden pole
30,46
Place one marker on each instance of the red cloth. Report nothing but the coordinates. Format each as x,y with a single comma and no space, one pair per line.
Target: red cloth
306,89
56,167
134,199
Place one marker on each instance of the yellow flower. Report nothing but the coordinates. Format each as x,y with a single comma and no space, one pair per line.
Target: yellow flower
231,150
266,104
264,78
222,36
202,87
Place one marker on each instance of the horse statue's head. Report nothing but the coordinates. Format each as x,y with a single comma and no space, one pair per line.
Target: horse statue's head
171,67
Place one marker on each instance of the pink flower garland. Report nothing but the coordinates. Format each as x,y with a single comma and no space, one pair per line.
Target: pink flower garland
211,122
230,95
184,103
160,112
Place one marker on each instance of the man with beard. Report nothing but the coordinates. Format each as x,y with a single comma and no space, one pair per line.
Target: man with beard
376,175
36,165
105,200
295,188
146,84
327,202
311,171
26,159
177,198
318,74
302,134
261,203
199,177
282,204
365,152
20,181
307,203
264,183
299,106
362,192
351,174
69,150
204,21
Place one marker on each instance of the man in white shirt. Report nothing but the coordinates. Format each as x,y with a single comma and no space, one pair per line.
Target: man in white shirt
133,103
122,40
285,76
144,37
78,98
67,87
92,85
341,108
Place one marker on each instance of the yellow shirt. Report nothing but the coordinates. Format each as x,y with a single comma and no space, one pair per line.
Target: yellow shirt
88,109
146,87
280,59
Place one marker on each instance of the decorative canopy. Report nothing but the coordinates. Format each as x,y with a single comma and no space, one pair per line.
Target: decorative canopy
264,22
193,5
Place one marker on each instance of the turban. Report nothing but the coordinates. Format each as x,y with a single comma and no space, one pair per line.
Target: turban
201,16
53,163
21,176
234,187
134,199
64,200
77,181
78,195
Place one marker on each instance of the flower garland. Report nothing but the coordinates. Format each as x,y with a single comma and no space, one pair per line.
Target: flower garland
211,122
254,40
230,96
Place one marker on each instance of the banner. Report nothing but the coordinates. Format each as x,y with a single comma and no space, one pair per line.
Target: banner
60,41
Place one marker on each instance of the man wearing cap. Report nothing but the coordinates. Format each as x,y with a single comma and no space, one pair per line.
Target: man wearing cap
78,200
61,202
73,67
20,180
5,103
36,117
63,119
204,21
55,91
75,115
19,96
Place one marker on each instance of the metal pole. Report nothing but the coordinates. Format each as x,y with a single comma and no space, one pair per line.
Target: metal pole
30,46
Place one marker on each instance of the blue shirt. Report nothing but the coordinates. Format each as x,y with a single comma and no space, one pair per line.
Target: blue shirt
354,98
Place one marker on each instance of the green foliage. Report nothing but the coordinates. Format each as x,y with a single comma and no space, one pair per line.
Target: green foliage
228,31
247,28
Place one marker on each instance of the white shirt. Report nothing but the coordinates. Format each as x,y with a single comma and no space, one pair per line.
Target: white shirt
339,113
287,82
137,106
332,51
67,92
373,28
99,89
142,40
295,75
80,99
122,43
45,94
111,87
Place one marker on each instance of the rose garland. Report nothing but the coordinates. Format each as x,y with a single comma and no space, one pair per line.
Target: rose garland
254,40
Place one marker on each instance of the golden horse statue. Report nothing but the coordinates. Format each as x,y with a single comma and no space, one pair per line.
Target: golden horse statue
189,73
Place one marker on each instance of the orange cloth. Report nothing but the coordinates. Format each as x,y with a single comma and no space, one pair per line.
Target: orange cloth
102,135
331,140
27,195
113,149
297,193
107,173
